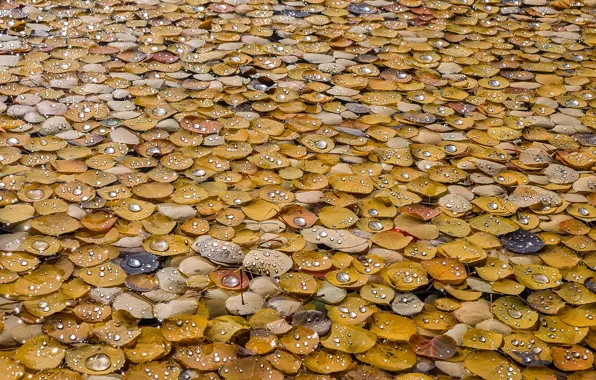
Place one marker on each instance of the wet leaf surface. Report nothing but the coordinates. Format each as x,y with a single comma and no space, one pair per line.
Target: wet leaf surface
312,190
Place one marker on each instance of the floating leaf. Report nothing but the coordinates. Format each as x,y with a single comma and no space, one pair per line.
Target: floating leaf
267,262
148,371
553,330
441,347
95,359
336,239
41,352
574,358
300,340
205,357
491,365
350,339
249,368
481,339
537,277
389,356
522,242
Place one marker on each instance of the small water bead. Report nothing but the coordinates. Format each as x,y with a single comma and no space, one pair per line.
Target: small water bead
342,277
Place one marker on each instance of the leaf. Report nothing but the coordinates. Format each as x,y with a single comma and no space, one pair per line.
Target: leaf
441,347
350,339
389,356
41,352
490,365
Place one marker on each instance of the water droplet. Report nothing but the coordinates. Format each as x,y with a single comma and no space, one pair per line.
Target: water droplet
583,212
134,207
98,362
35,194
159,245
540,278
514,313
40,245
300,222
342,277
375,226
134,263
159,112
320,144
230,281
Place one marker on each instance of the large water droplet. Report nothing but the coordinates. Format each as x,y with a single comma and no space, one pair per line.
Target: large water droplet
540,278
40,245
300,222
159,112
320,144
98,362
450,148
230,281
134,263
159,245
514,313
375,226
35,194
134,207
